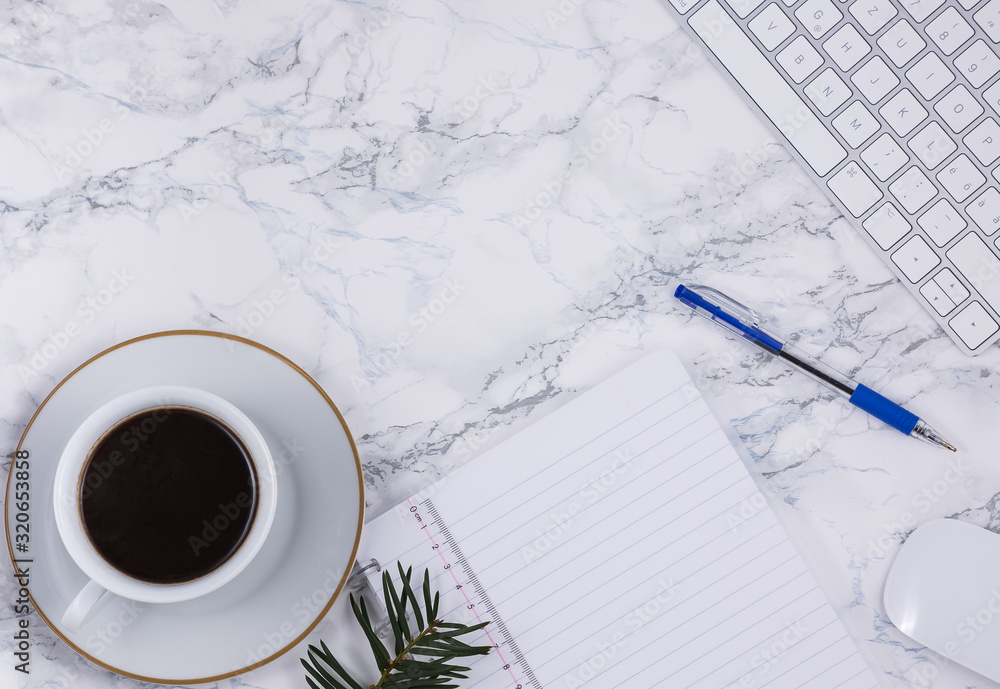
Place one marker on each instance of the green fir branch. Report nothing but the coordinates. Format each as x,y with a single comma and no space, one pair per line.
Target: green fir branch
422,658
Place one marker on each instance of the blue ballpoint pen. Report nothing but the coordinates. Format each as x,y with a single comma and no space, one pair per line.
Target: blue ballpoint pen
745,322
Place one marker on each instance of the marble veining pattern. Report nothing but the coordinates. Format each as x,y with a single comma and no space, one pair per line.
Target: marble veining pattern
456,216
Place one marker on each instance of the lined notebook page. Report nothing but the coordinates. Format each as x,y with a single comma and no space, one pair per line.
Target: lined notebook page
621,542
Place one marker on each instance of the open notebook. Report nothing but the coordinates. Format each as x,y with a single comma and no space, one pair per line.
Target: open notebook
621,542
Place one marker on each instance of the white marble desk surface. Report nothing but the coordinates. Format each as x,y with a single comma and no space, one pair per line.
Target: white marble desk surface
456,216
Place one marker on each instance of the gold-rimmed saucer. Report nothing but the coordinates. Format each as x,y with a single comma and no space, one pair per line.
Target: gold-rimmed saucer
293,580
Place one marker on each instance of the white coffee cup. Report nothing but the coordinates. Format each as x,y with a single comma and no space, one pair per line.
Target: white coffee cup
105,578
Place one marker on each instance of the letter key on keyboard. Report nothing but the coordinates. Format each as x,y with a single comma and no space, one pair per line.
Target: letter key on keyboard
894,107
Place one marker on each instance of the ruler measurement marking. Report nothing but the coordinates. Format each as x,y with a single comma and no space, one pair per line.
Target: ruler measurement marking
481,593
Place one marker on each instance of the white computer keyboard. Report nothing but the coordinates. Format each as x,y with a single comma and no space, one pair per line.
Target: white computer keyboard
893,108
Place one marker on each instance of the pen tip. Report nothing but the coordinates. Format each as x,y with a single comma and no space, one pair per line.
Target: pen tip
923,431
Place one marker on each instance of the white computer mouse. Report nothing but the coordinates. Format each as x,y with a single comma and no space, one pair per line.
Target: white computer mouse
943,591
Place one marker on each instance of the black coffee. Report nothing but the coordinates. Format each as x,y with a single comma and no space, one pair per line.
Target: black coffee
168,495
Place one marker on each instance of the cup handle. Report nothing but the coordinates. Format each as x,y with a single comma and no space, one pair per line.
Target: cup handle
85,602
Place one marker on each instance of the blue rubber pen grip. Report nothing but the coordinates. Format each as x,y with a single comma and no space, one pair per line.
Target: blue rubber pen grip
884,409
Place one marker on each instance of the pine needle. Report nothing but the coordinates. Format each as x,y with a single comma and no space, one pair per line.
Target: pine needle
422,659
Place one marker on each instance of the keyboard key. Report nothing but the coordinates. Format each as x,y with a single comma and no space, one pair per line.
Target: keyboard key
942,223
979,265
903,112
743,8
684,6
854,189
978,64
856,124
874,79
936,297
961,178
915,258
949,31
988,19
985,211
974,325
799,59
901,43
952,286
932,145
884,157
921,9
969,4
771,27
959,108
913,190
984,141
734,49
886,226
847,47
828,91
929,75
818,16
873,14
992,96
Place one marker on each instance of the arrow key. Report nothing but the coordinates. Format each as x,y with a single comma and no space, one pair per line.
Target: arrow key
937,298
951,285
974,325
915,258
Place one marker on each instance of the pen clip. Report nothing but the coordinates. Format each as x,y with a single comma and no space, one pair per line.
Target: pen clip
741,311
